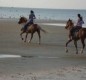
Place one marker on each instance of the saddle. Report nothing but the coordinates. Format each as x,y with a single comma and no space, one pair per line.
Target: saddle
74,32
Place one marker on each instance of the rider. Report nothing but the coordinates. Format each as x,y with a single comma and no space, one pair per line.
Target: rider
80,22
78,26
31,20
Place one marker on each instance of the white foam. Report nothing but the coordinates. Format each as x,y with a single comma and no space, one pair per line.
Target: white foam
9,56
58,24
53,24
48,57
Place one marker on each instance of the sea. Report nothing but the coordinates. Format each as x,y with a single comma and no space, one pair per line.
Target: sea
48,14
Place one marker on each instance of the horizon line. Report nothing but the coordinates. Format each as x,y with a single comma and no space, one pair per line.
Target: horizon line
42,8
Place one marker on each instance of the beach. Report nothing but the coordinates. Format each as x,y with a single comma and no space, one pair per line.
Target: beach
47,61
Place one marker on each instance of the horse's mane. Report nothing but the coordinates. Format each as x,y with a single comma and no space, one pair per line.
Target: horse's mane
24,18
72,23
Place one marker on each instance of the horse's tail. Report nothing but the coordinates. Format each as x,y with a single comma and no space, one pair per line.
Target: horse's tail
42,29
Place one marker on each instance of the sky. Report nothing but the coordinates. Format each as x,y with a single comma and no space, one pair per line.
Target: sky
54,4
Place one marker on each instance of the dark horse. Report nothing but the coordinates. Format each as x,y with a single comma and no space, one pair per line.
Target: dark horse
79,35
31,29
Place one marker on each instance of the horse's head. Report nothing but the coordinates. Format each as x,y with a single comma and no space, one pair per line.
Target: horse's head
69,24
22,20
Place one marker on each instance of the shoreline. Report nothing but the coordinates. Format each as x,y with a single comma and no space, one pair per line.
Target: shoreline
48,22
38,20
59,23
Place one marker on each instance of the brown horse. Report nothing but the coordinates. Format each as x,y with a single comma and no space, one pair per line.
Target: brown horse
80,35
31,29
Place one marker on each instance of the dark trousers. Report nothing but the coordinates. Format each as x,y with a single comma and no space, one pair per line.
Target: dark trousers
26,25
75,29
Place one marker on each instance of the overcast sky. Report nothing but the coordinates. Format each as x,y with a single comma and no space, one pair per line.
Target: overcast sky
57,4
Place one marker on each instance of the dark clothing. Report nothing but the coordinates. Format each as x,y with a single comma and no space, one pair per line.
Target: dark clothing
31,21
75,29
28,24
78,26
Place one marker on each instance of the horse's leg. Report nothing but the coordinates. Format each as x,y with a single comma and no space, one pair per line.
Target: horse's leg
31,37
39,36
83,43
67,44
26,37
75,43
21,35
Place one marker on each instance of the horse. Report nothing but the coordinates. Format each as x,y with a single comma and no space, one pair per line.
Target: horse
31,29
79,35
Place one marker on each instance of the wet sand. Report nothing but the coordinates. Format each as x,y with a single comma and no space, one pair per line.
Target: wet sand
47,61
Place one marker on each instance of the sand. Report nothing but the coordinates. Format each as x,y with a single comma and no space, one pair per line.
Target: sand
47,61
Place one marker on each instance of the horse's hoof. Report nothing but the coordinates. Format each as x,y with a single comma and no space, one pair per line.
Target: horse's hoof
39,43
76,52
29,41
81,51
66,51
22,39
